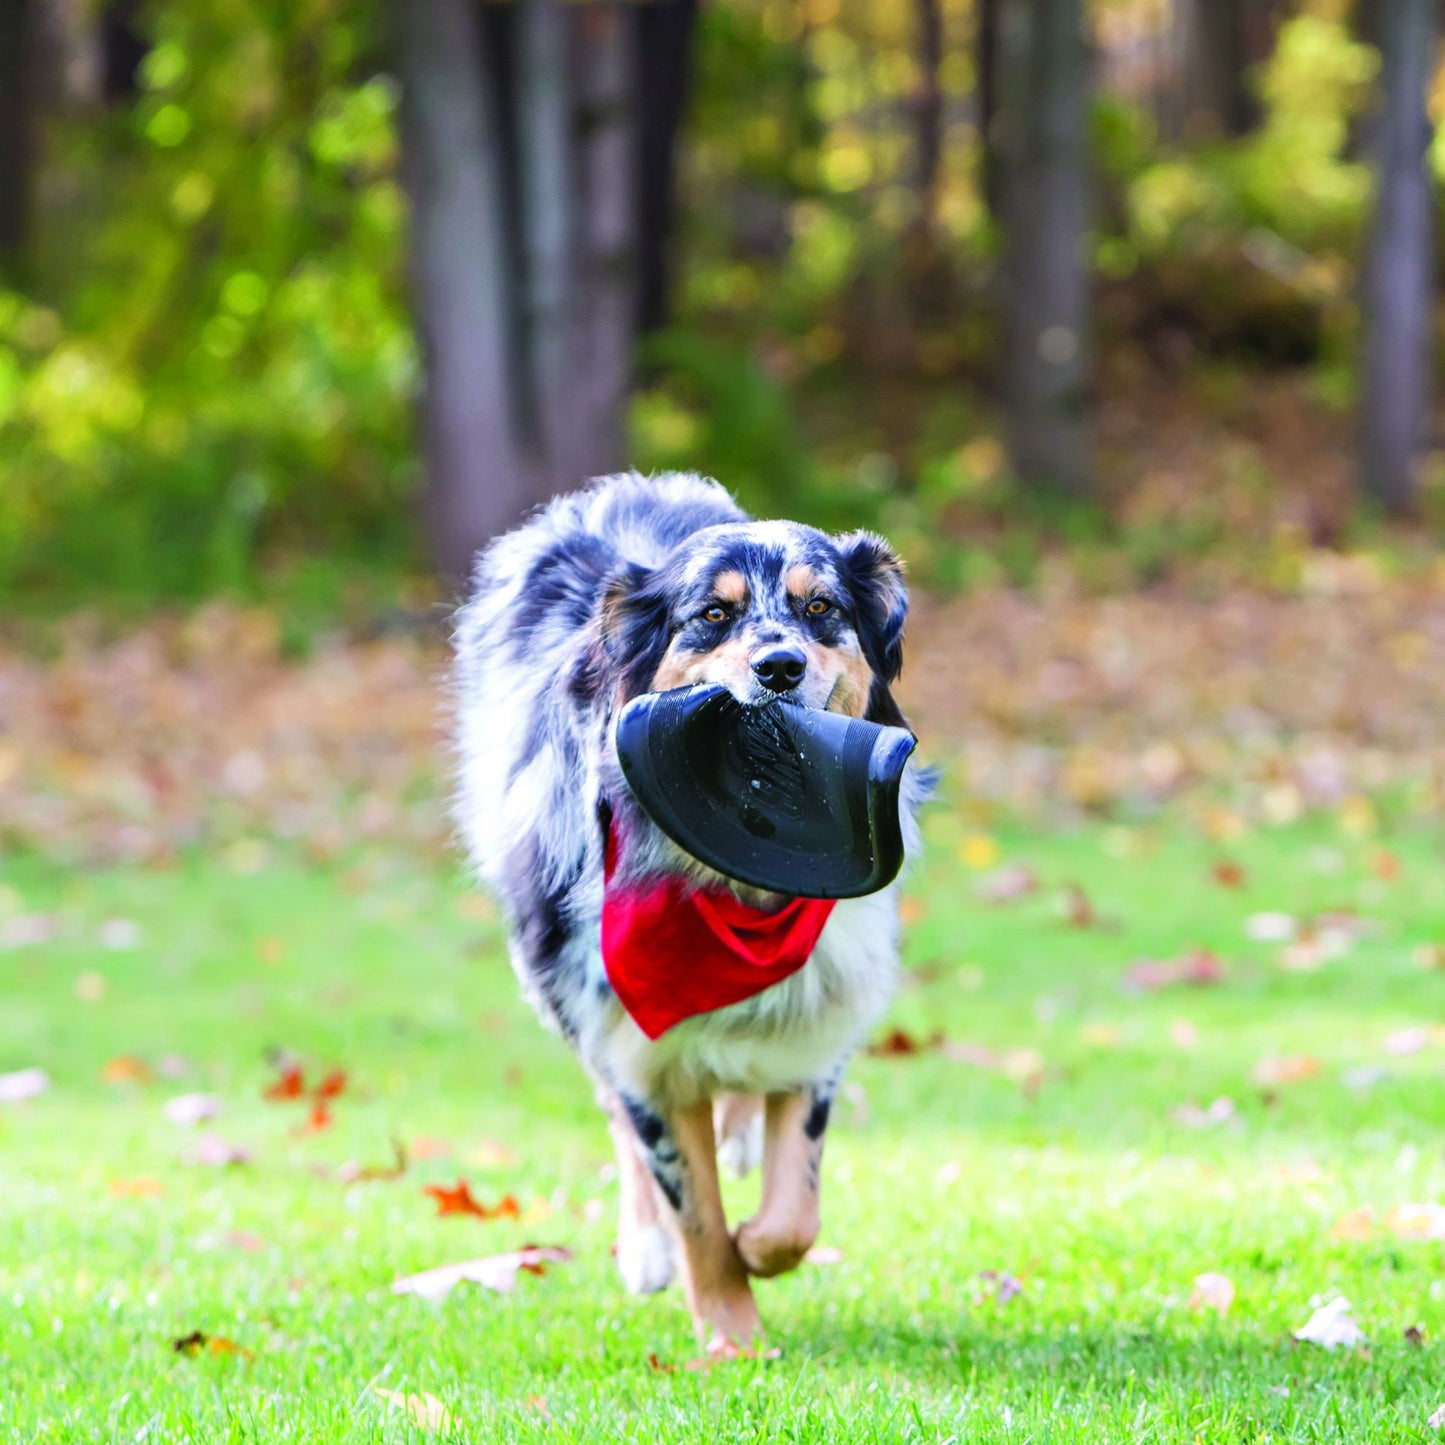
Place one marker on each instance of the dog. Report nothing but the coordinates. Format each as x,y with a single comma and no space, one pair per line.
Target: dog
637,585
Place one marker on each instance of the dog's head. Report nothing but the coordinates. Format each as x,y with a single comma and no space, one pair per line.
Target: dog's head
769,610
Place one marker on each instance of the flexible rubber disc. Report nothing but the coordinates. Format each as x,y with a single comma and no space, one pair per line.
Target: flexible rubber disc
787,798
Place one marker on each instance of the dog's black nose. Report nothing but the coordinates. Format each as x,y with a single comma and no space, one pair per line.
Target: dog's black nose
779,668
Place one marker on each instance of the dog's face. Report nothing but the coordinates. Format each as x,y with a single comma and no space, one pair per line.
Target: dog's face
769,610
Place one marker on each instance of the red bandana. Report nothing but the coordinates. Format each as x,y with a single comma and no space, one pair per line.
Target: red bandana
672,951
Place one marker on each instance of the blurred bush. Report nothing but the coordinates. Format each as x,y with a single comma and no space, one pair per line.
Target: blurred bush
216,348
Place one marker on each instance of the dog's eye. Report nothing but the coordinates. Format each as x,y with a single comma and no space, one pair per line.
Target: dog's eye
715,614
819,607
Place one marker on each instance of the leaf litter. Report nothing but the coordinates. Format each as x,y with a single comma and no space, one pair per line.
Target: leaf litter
496,1272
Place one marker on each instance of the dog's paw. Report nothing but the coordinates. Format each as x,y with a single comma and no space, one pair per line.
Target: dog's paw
645,1259
741,1151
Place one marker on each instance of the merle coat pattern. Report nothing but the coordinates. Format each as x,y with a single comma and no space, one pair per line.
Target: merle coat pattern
630,586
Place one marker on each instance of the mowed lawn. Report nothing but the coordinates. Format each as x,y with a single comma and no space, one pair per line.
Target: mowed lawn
1021,1212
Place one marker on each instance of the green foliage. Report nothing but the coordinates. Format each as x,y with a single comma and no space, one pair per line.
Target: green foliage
220,355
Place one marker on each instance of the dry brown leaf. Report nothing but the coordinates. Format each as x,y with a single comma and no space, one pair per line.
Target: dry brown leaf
198,1343
1228,874
1291,1069
425,1410
126,1069
1008,884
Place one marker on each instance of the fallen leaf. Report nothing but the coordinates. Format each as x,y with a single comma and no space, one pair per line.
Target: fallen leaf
824,1254
1417,1221
978,850
142,1188
1221,1111
495,1272
1430,955
459,1200
898,1043
1357,1224
1269,927
90,987
1415,1335
198,1343
425,1410
353,1173
1385,865
1077,908
188,1110
1008,884
1227,874
125,1069
290,1084
318,1119
1005,1286
23,1084
1199,968
424,1147
1331,1327
120,935
1212,1291
28,929
331,1086
1404,1042
1183,1034
489,1154
212,1152
1288,1070
1437,1418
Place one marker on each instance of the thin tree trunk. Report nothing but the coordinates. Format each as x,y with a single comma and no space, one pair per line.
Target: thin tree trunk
1218,62
1397,290
478,483
542,61
988,52
928,112
1047,303
16,131
606,238
664,31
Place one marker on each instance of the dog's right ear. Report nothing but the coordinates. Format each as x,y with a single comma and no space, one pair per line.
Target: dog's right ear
633,619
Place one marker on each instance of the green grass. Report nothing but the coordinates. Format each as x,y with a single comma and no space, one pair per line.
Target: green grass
1088,1190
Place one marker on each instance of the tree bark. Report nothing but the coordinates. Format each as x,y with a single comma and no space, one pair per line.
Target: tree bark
16,131
479,483
928,112
1397,282
606,236
987,51
664,31
1047,301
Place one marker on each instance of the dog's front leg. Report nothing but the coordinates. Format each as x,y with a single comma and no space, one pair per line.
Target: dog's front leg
682,1153
777,1237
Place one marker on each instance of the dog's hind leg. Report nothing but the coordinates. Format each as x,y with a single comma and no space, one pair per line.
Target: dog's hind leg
777,1237
682,1153
646,1255
738,1122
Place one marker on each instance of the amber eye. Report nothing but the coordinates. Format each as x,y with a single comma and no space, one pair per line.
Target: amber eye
715,614
819,606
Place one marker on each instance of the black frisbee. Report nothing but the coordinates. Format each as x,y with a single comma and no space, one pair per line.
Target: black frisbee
786,798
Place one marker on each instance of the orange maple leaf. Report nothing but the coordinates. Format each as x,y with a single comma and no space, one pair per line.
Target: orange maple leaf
290,1085
459,1200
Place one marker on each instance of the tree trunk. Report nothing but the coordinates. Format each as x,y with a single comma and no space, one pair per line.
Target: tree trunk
605,243
1217,70
16,132
928,113
664,31
1397,283
1047,302
479,483
987,51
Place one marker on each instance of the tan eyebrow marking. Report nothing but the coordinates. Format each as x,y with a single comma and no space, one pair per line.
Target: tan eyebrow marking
802,580
730,586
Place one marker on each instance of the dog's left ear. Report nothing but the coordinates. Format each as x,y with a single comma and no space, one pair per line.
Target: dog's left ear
874,577
633,619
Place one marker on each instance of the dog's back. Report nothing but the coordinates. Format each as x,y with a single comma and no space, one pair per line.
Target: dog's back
525,709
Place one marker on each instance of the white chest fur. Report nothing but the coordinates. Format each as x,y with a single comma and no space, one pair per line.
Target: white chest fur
786,1036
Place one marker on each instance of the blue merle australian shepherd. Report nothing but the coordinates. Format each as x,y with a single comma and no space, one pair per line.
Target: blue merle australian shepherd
638,585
